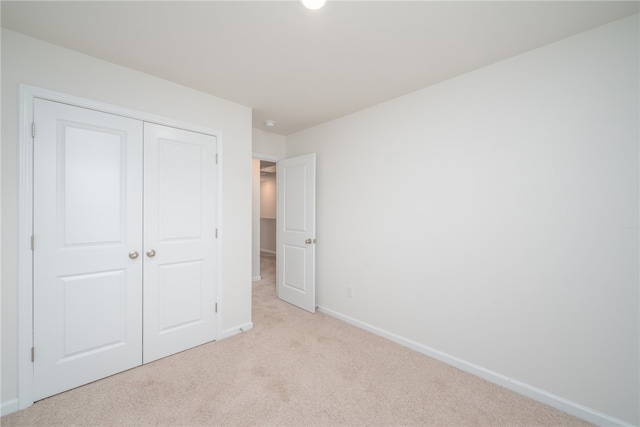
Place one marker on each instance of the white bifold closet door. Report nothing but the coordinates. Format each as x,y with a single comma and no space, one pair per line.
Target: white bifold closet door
179,240
105,300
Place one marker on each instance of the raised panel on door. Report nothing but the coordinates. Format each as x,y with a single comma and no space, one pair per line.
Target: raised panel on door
180,223
296,231
87,218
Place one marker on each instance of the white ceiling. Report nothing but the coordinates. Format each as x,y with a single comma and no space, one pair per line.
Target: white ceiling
300,67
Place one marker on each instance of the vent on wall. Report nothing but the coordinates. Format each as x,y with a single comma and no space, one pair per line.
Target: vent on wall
267,168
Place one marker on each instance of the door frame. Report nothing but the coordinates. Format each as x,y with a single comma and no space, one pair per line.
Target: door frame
27,95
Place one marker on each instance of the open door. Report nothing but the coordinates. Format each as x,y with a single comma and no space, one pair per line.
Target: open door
296,269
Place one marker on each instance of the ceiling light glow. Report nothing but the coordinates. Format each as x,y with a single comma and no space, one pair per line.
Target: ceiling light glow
269,123
313,4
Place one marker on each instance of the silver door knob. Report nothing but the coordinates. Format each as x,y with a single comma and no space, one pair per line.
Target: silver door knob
133,254
308,241
151,253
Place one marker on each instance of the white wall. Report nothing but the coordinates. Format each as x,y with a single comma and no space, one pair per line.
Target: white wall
268,199
271,144
494,218
29,61
268,233
268,196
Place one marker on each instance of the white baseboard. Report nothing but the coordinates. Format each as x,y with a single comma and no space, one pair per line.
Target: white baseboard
256,278
236,330
9,407
530,391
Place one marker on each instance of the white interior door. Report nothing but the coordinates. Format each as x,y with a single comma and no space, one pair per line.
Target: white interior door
296,231
179,240
87,222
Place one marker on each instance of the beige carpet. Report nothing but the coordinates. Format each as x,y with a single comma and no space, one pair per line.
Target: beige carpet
293,369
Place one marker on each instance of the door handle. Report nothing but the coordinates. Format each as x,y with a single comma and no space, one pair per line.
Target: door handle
133,254
310,241
151,253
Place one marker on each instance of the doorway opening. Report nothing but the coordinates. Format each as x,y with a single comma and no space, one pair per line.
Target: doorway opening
268,221
268,200
264,207
295,224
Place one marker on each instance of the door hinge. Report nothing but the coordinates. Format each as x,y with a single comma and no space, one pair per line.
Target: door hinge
33,354
33,239
33,129
216,233
216,158
216,307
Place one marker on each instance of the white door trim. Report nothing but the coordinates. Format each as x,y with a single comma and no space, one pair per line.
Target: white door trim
25,214
263,156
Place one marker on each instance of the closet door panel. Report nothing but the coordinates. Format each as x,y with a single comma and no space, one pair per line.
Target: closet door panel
179,240
87,219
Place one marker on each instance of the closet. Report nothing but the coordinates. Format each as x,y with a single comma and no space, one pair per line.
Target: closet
124,243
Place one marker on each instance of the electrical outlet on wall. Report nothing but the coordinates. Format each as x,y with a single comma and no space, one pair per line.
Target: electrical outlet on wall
349,292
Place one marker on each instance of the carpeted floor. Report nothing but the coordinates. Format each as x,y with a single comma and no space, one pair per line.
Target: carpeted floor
293,369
